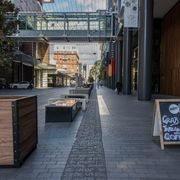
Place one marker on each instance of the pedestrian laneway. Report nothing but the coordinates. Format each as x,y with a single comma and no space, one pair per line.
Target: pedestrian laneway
129,149
111,142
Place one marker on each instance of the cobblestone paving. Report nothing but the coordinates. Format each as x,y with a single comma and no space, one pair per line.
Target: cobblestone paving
86,160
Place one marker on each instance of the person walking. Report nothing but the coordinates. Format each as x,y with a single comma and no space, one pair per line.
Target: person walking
101,83
118,87
97,84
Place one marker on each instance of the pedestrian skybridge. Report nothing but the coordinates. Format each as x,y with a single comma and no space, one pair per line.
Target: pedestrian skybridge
78,26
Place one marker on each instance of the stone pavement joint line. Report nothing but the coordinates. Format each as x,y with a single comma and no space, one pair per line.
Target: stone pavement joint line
86,159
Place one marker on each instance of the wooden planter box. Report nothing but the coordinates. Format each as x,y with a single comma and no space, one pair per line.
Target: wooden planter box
18,129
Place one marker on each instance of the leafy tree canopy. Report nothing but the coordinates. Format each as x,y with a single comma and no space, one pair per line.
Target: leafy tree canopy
8,24
90,79
97,71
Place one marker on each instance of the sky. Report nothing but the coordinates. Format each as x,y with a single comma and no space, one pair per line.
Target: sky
75,5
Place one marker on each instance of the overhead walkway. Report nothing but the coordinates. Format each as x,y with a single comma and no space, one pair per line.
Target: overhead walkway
72,26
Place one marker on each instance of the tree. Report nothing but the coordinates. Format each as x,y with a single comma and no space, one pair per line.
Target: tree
90,79
8,25
97,71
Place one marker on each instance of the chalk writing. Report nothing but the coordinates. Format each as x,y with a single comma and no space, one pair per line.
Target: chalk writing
171,129
172,137
170,121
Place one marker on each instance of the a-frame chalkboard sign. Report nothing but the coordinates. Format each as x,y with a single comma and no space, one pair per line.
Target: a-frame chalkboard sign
166,121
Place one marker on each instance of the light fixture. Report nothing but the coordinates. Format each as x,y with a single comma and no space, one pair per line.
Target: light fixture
41,34
47,1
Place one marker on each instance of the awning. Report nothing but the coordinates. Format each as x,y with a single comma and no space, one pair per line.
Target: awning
25,59
45,66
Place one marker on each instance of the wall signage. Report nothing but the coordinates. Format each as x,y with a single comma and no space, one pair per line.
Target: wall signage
131,13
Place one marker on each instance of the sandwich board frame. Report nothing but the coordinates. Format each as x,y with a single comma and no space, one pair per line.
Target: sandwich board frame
157,128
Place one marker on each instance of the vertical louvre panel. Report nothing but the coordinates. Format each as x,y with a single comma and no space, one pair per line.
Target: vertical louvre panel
170,53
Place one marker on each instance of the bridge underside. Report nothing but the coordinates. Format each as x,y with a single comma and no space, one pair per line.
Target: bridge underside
72,36
69,27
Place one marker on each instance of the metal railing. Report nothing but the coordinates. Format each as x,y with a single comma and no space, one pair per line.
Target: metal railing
69,26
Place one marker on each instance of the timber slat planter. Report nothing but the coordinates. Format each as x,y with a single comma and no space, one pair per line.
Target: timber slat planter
18,129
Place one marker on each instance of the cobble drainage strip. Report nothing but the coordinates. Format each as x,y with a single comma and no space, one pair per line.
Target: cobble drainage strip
87,160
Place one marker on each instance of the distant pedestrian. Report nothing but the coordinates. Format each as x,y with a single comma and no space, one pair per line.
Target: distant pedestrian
118,87
101,83
30,85
97,84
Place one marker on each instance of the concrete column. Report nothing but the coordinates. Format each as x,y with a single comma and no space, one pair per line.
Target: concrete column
22,72
145,50
66,80
39,78
13,71
116,62
44,78
106,80
113,62
127,55
109,60
119,59
110,3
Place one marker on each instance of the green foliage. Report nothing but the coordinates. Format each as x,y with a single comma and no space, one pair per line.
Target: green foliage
8,24
72,78
7,47
90,79
97,71
101,72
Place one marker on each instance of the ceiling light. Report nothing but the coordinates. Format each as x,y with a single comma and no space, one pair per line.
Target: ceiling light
47,1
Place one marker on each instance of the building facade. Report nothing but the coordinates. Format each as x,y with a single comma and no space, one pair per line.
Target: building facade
144,51
67,61
43,68
25,61
147,55
37,51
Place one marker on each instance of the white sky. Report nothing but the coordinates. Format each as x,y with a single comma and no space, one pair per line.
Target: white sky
75,5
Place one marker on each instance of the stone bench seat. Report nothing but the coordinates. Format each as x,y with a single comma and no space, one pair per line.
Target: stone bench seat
81,100
80,96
